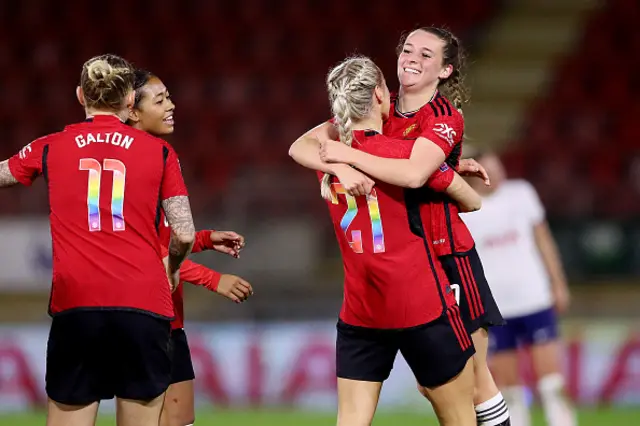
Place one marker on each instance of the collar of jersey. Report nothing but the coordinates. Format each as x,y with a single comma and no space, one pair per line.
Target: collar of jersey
412,113
103,119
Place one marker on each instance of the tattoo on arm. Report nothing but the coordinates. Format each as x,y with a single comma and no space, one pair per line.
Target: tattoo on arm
6,178
178,213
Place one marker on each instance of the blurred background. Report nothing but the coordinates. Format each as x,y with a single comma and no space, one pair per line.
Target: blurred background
554,89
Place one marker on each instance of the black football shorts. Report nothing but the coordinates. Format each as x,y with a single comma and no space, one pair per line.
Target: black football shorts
436,352
182,367
94,355
477,305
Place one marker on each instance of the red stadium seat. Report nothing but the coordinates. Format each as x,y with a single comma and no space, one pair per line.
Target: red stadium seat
596,90
247,77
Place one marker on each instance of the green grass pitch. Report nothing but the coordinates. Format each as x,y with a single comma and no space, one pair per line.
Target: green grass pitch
592,417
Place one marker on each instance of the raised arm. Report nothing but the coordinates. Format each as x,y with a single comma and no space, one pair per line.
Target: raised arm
6,178
306,152
306,149
408,173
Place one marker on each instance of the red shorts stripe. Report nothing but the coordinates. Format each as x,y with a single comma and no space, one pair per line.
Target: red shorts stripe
474,286
453,314
468,291
467,336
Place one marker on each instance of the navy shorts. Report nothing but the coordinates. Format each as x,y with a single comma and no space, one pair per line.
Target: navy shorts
533,329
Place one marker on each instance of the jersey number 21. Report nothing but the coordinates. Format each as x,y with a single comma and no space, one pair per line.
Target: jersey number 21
351,213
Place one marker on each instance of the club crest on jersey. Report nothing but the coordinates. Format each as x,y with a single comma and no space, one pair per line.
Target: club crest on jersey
446,132
409,130
444,167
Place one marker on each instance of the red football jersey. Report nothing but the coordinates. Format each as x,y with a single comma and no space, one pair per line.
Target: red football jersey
392,279
191,272
106,181
442,124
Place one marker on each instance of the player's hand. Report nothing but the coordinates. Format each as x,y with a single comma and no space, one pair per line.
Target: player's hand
470,167
334,152
227,242
234,288
172,277
354,181
561,298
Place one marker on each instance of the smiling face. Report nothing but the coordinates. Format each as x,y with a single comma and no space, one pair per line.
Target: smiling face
154,111
421,63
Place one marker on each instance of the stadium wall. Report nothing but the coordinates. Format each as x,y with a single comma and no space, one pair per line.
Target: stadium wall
293,364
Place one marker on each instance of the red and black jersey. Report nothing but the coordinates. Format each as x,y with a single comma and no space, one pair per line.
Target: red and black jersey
442,124
384,251
190,272
106,182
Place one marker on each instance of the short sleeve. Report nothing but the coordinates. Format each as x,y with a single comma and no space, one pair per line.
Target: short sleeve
26,165
172,180
440,180
531,203
443,130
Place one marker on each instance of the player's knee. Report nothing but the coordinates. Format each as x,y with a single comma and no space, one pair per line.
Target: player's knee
175,415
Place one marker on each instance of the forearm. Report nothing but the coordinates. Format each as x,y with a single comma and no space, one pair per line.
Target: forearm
550,255
306,152
400,172
465,196
199,275
178,213
6,177
202,242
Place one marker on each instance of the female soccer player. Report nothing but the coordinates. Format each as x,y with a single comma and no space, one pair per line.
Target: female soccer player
110,299
523,265
152,112
429,59
391,301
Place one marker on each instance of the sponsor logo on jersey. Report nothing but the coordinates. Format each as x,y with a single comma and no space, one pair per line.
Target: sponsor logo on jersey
446,132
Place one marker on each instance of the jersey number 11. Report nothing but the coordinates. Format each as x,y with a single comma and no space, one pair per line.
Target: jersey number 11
95,169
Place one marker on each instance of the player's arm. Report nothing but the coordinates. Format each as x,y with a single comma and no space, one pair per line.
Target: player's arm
408,173
446,180
227,242
6,177
177,210
551,259
229,286
25,166
202,242
199,275
306,149
463,194
306,152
